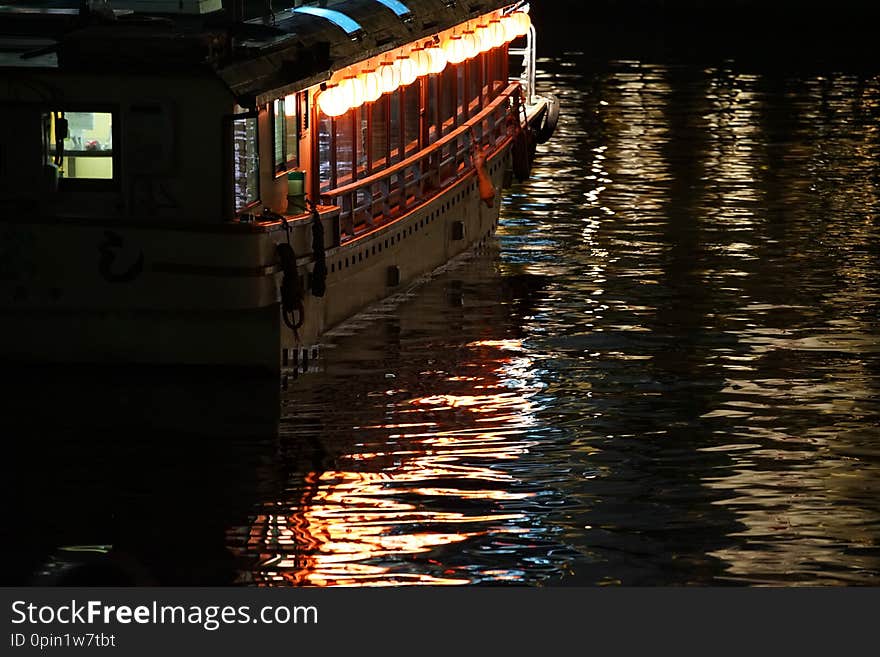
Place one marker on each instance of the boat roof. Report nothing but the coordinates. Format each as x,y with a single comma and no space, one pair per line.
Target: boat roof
257,60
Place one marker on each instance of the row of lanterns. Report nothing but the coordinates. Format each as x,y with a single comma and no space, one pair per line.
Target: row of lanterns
369,85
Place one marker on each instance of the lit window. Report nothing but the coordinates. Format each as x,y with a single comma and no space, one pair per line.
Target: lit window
246,161
80,144
285,136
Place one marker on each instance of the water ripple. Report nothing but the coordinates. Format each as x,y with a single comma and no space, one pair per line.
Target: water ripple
665,371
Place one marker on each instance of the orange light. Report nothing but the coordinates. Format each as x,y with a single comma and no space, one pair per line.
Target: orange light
436,58
496,32
372,87
290,105
389,77
422,61
484,38
523,22
471,48
352,90
454,49
332,101
408,69
508,24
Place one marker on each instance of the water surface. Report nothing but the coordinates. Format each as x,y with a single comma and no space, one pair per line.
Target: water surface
664,370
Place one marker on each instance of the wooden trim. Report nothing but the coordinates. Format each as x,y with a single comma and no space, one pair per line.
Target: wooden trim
425,152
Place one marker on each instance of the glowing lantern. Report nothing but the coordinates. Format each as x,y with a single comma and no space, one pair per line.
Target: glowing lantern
372,88
523,22
422,61
290,105
408,70
437,60
389,77
496,33
332,101
508,24
484,38
454,49
352,90
470,44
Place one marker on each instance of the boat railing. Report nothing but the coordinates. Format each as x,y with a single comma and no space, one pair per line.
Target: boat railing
388,194
529,64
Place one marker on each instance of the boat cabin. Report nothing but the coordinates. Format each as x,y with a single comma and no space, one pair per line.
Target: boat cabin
183,115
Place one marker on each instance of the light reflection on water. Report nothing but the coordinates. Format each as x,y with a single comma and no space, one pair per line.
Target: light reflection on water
665,371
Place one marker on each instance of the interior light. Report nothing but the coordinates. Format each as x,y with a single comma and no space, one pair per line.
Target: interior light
289,105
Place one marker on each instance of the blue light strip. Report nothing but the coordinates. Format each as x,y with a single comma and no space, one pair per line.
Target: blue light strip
396,6
337,18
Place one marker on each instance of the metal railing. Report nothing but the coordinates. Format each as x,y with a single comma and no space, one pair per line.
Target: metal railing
382,197
529,64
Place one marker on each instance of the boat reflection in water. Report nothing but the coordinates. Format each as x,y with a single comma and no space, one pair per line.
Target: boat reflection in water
420,489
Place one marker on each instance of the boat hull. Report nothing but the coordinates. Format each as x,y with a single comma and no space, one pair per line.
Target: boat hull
103,292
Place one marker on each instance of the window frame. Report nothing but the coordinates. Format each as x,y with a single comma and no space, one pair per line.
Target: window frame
89,184
287,164
244,116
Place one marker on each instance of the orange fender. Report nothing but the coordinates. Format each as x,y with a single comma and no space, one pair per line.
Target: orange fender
484,182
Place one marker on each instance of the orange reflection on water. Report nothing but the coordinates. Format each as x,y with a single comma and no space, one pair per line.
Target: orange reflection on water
429,490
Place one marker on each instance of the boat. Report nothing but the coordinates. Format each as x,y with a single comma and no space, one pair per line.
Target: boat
182,185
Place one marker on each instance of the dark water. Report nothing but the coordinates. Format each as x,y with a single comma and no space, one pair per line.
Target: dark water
665,370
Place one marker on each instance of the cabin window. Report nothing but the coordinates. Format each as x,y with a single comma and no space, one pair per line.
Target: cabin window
394,127
475,84
461,90
285,136
246,161
379,128
411,103
80,144
344,142
448,86
325,152
431,122
362,123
